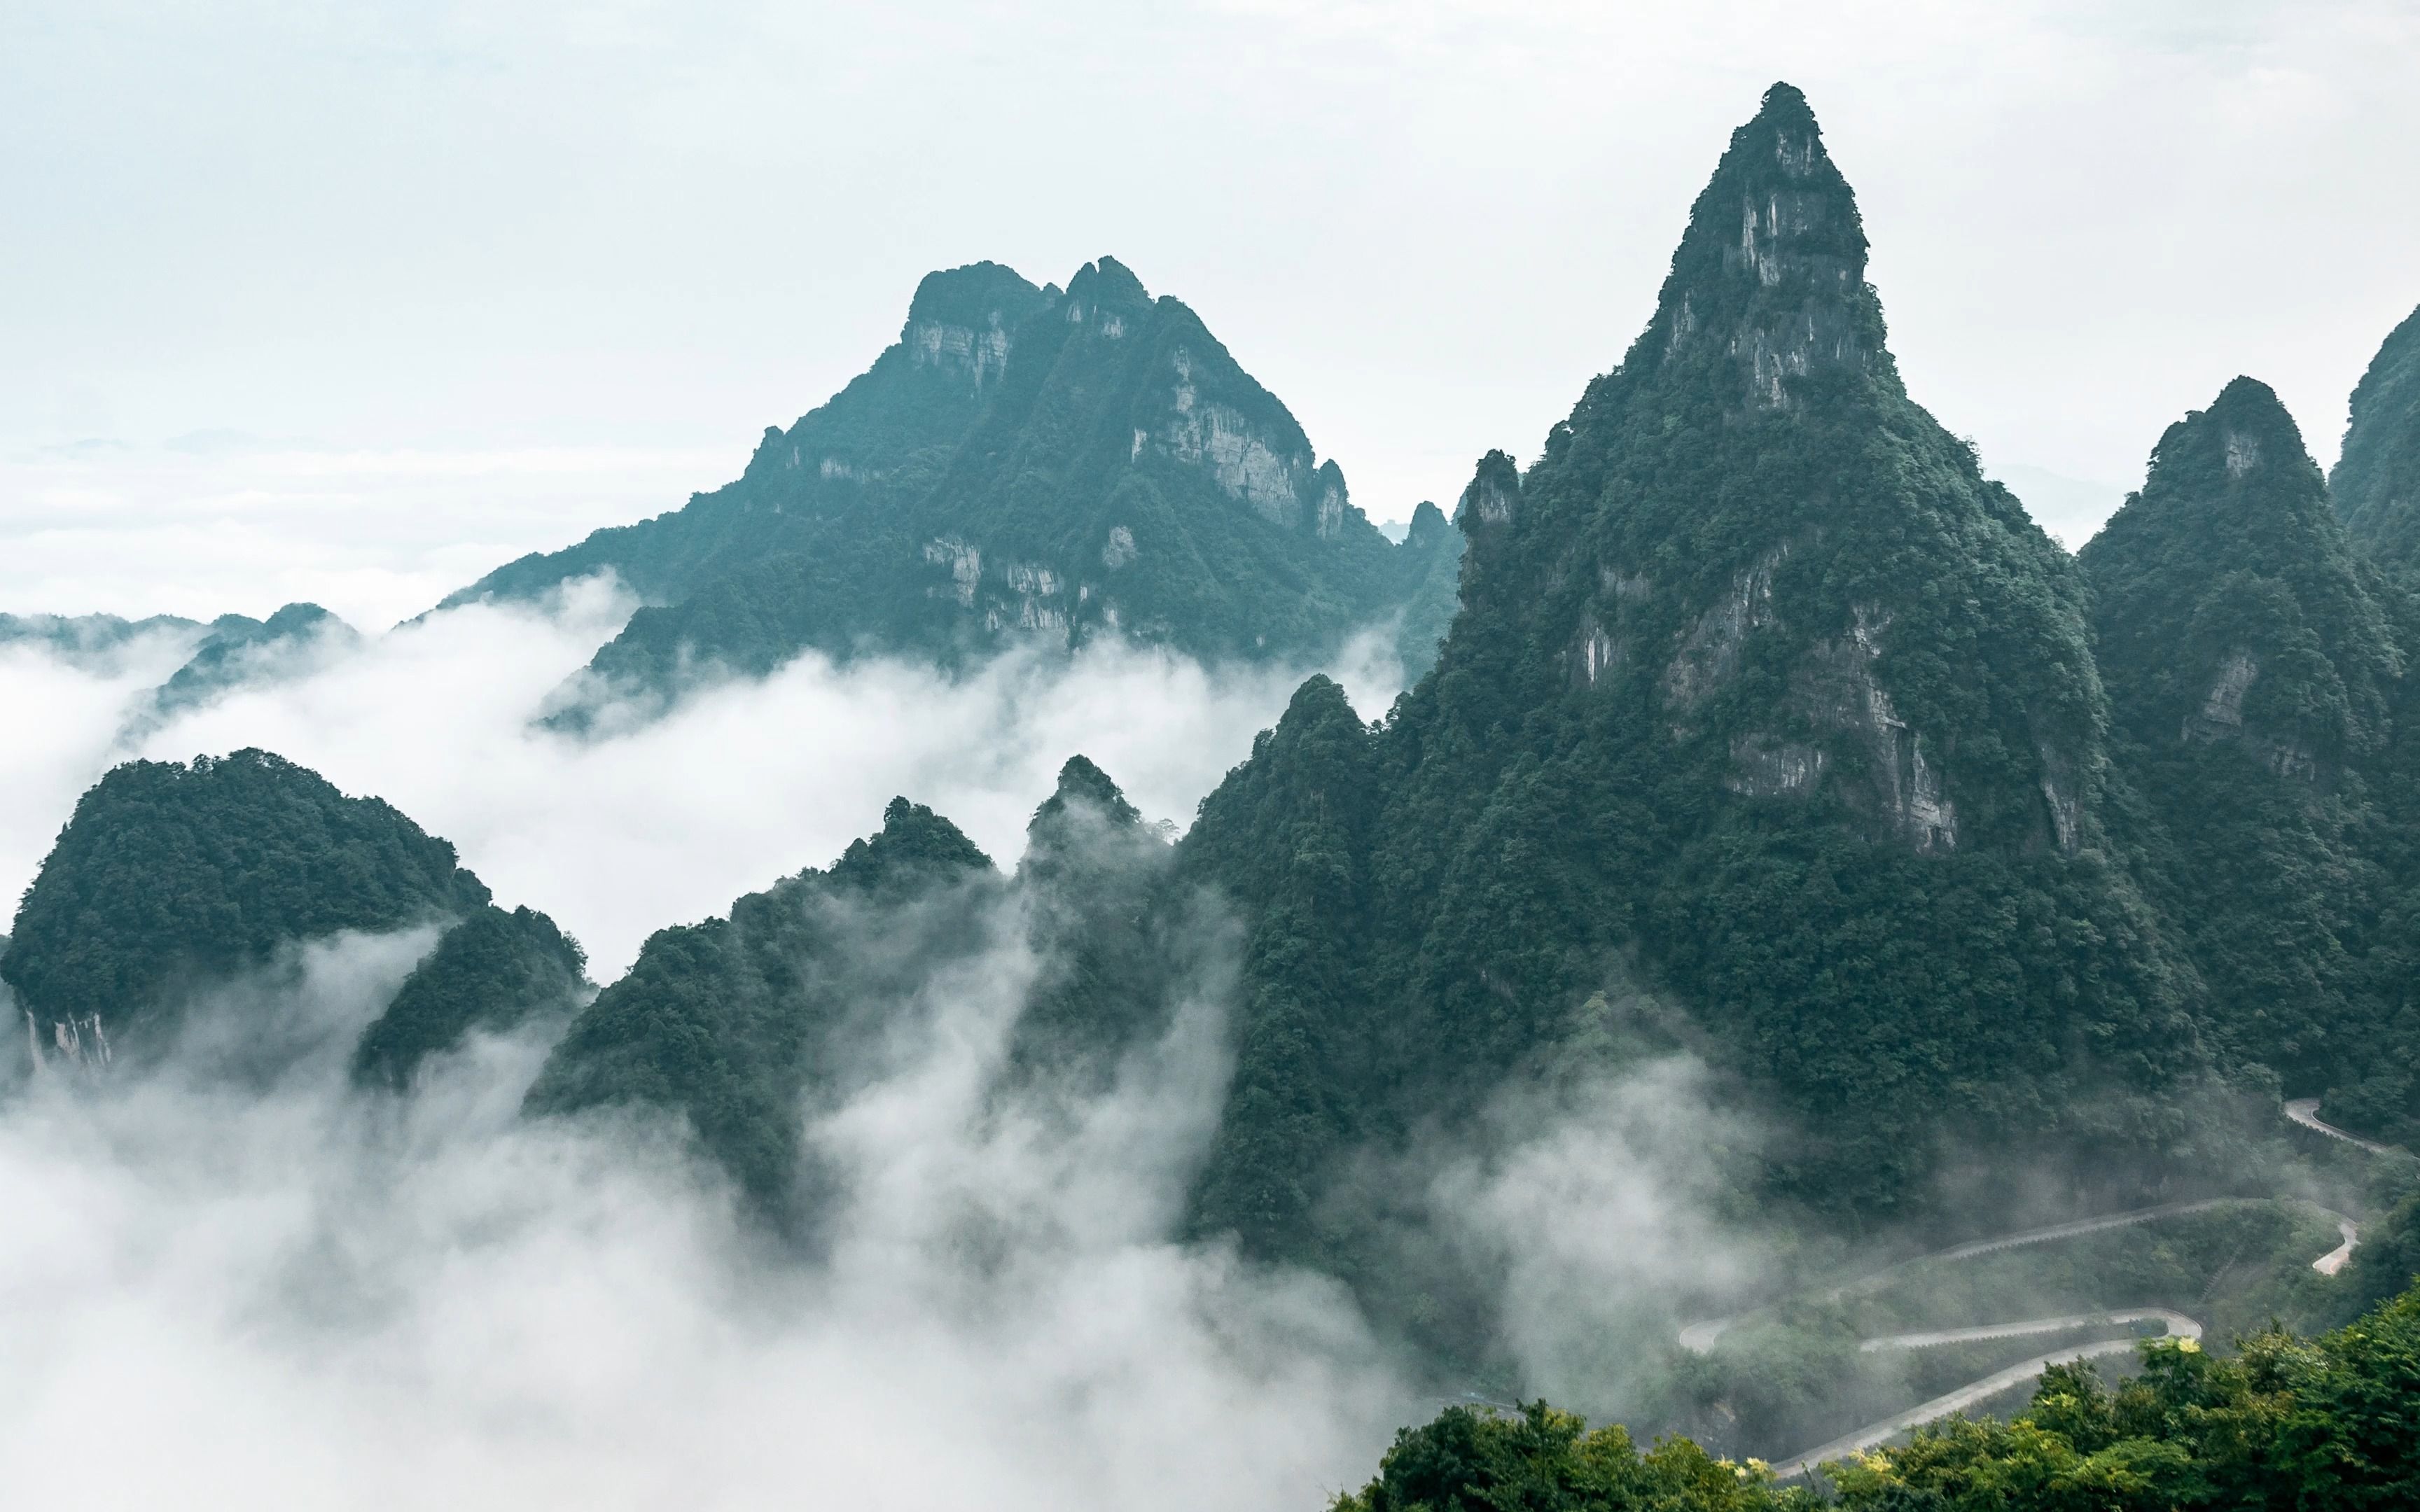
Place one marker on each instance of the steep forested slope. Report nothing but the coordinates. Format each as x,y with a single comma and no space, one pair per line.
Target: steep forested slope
2377,478
169,873
2250,667
737,1024
1757,682
746,1027
491,971
171,878
1023,461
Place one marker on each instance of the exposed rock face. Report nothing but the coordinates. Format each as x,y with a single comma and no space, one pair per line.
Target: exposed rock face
2377,479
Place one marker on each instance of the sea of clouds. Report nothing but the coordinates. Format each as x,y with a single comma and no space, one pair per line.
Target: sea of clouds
224,1291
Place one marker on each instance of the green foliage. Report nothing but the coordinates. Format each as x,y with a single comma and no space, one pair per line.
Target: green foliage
1544,1460
2377,479
1290,831
2324,1423
1794,1375
491,971
2329,1423
1098,916
238,650
169,875
2250,666
738,1024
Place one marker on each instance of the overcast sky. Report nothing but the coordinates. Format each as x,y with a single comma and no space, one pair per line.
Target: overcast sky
352,301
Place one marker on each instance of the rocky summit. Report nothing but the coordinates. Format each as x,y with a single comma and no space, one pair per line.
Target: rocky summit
1023,463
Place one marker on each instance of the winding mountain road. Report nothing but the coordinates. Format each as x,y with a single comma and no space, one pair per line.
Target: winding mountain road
2305,1111
1977,1392
1700,1337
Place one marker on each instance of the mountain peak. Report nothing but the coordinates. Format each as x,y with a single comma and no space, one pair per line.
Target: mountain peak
978,296
1771,273
1105,284
914,845
2245,429
1081,781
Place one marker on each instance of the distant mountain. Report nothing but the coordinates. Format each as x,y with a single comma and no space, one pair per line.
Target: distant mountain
2377,479
171,878
1762,700
236,651
89,641
2250,666
1021,462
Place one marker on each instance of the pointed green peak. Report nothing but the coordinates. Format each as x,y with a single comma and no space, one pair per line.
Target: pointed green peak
1082,783
2228,604
914,842
2244,438
1427,528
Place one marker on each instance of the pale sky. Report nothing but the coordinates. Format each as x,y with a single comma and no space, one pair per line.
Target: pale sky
351,303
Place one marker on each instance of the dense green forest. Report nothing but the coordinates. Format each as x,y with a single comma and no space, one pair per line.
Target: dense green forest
171,874
2249,664
2332,1422
491,971
171,879
737,1024
2377,478
1023,461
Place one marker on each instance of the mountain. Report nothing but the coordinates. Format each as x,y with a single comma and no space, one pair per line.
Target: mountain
1020,462
1760,700
92,641
2250,666
171,877
236,651
1101,922
491,971
745,1026
737,1024
2377,478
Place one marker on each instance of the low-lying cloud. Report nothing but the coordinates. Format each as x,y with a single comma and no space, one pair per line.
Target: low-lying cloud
226,1294
227,1285
742,782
